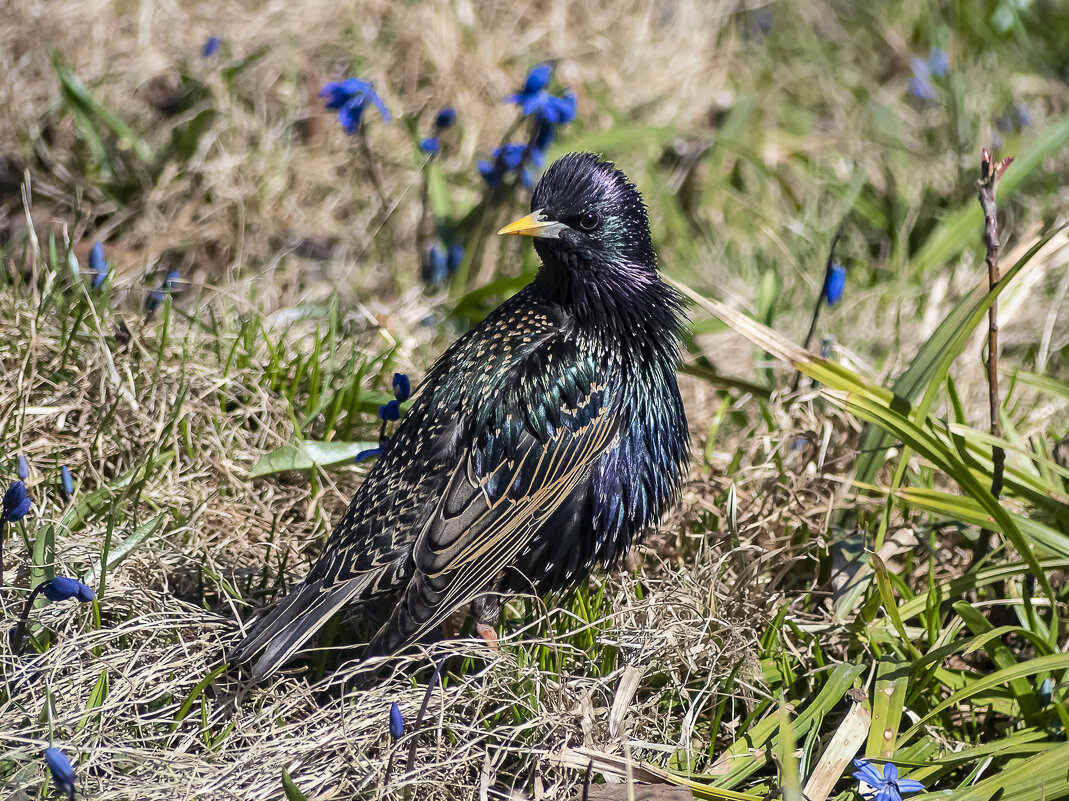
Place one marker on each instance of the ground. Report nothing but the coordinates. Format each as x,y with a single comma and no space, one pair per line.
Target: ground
265,283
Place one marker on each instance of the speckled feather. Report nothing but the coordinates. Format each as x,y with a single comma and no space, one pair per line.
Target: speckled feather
542,442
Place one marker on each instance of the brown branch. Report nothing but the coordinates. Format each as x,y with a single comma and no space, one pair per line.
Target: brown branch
990,172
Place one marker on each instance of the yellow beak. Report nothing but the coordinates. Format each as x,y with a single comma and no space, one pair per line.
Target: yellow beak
535,224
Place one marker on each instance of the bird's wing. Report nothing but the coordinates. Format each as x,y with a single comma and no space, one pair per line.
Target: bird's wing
368,554
525,462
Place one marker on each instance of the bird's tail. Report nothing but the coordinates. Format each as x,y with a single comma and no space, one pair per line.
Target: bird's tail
281,633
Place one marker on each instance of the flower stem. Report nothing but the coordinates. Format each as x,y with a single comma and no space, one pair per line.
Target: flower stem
24,619
820,301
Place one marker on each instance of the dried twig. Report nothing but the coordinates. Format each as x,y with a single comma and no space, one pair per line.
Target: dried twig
990,172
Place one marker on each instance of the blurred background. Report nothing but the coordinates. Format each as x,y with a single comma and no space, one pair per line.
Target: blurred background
224,226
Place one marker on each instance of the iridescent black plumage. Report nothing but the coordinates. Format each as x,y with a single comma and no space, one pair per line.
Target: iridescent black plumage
541,443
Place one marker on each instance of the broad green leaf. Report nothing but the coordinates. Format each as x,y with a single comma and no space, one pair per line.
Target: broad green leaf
892,679
308,454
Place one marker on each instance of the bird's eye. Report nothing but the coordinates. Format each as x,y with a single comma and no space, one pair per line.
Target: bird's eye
589,221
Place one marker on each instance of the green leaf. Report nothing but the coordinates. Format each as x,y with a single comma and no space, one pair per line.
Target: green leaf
932,362
143,533
87,108
308,454
892,680
878,405
292,791
1033,666
437,190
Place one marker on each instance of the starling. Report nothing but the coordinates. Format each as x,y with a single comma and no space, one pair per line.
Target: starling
542,442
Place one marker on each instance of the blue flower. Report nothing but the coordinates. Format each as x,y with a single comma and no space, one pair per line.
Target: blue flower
98,268
888,786
432,145
66,482
938,62
544,137
533,99
156,296
446,118
435,266
61,588
367,454
1045,693
390,411
62,772
211,47
402,387
350,98
454,258
23,469
16,503
834,283
545,107
506,159
397,723
537,80
920,85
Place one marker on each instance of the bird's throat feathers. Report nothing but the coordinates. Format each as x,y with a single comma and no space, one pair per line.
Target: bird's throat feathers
624,301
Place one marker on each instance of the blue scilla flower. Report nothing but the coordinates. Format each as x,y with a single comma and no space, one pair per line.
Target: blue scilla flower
537,80
17,502
834,283
454,257
402,387
432,145
211,46
446,118
350,98
61,588
66,482
435,267
543,138
545,107
62,771
369,452
390,412
397,723
938,62
534,100
156,296
887,787
920,85
506,159
23,469
98,267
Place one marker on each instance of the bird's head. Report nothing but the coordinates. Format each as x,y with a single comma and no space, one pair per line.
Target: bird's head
590,228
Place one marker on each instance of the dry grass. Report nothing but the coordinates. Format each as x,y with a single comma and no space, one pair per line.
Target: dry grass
274,213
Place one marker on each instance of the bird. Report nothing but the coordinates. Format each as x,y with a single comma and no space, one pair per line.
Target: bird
545,441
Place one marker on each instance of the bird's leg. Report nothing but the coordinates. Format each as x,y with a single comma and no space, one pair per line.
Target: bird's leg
487,610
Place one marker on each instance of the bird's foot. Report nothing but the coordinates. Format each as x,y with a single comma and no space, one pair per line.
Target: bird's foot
488,633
